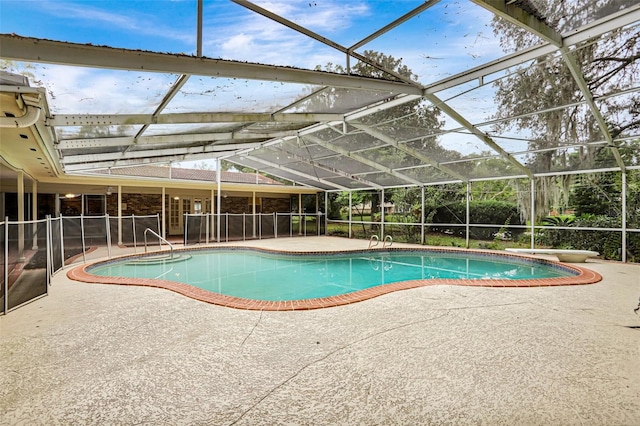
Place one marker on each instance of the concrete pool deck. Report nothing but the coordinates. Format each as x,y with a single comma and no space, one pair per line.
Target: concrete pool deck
96,354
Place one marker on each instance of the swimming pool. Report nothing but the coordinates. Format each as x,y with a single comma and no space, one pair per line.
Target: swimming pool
272,280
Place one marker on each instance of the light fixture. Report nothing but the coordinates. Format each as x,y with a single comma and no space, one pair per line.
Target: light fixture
109,190
69,195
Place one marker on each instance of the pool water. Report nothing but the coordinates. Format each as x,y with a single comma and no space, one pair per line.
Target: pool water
277,277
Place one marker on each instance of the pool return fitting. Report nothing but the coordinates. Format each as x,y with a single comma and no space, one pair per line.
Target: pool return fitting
387,240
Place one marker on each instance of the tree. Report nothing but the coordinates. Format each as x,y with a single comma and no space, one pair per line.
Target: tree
535,92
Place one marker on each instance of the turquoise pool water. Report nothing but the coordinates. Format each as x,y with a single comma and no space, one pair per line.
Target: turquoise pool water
258,275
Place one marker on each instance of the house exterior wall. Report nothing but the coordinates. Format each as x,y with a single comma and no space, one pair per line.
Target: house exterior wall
276,205
138,204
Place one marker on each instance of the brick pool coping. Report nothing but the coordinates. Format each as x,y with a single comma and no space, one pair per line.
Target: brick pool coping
585,276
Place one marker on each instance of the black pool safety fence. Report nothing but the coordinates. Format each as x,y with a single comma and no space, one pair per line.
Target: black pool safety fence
210,227
32,251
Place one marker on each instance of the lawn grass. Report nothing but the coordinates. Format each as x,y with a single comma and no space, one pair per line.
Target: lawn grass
431,239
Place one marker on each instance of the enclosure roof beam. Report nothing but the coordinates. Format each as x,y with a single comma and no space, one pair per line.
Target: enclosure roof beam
418,10
61,120
169,139
302,30
408,150
361,159
477,132
516,15
295,172
322,166
117,156
181,81
80,167
29,49
628,16
578,76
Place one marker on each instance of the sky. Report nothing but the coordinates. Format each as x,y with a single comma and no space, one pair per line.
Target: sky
448,38
445,39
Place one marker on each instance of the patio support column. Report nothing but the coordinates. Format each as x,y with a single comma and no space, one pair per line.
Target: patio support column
468,217
210,216
164,212
218,177
253,212
56,205
350,207
326,211
381,215
533,212
34,211
20,179
2,205
624,215
299,213
119,215
422,216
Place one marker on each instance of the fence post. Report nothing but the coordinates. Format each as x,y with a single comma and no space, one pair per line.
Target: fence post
206,228
108,235
84,257
275,225
6,264
160,230
48,252
185,223
62,241
135,239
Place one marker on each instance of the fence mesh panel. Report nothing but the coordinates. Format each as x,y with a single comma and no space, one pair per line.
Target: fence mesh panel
267,226
27,263
95,231
143,222
57,255
283,224
236,230
195,229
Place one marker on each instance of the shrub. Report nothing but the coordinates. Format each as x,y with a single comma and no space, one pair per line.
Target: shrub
490,212
607,243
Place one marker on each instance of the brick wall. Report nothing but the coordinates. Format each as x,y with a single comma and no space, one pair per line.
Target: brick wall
138,204
279,205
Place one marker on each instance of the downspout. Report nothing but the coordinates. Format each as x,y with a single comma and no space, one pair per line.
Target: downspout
28,119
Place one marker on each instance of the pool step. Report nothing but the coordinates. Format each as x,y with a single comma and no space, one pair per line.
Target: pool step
160,258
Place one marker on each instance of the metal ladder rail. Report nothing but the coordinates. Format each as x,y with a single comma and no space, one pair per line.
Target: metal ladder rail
160,238
388,241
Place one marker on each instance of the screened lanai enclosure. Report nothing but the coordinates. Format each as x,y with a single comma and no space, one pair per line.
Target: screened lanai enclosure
469,123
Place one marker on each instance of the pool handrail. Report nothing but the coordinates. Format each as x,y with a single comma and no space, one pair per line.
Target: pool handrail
387,239
160,238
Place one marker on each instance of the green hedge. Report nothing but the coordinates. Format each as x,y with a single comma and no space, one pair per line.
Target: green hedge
607,243
500,213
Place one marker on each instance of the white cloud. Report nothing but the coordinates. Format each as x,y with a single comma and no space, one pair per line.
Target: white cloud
140,22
